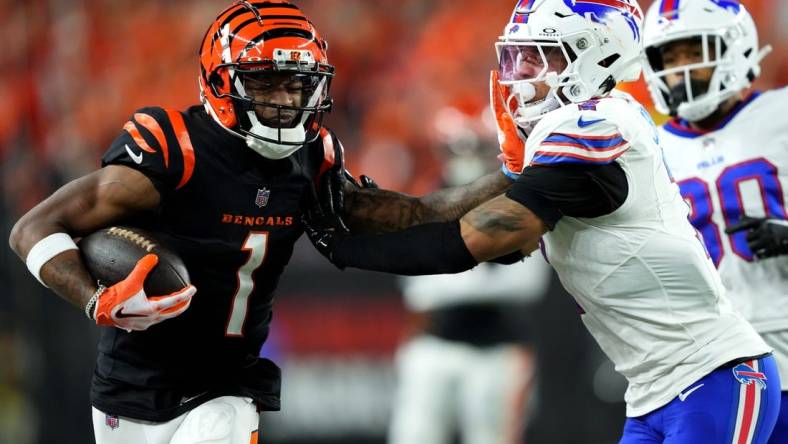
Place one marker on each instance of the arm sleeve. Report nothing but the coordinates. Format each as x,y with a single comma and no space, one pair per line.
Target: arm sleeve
148,144
434,248
552,192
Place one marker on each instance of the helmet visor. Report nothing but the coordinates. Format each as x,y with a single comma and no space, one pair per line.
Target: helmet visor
530,61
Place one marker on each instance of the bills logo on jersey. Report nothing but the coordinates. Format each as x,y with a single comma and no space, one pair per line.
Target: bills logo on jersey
112,422
747,375
262,197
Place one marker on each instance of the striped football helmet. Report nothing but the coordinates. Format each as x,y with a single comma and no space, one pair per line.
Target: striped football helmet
252,40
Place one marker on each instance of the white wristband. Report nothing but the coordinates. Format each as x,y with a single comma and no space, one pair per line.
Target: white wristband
46,249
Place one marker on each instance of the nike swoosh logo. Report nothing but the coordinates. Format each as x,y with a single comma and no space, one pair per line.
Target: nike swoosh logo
683,396
137,158
121,315
584,123
184,400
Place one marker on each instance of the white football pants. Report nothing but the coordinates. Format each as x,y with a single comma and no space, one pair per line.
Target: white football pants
223,420
446,386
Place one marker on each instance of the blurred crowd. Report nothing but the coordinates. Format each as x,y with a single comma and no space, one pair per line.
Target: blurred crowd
411,79
74,70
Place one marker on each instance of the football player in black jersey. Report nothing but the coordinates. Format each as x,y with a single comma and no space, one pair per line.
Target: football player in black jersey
225,186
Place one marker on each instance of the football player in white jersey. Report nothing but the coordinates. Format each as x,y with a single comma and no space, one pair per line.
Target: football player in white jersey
596,192
728,152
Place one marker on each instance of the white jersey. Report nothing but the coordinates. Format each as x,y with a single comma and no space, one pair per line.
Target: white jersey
647,290
738,169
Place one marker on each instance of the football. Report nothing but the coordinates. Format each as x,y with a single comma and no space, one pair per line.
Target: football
111,253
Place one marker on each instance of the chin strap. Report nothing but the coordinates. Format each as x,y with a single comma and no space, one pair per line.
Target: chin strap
296,137
266,145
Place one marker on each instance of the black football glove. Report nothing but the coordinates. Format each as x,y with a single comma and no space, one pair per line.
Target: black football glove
766,237
323,238
327,203
368,182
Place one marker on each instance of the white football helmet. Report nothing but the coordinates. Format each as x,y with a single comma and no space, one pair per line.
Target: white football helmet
729,41
600,43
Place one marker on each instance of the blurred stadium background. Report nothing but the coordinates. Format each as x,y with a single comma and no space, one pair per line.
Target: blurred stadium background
411,85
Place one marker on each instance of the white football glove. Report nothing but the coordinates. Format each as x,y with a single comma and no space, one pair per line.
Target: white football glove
125,304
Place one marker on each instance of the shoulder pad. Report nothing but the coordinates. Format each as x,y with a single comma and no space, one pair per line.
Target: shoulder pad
163,131
586,133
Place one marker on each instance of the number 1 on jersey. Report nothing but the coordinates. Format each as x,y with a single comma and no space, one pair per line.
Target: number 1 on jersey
257,244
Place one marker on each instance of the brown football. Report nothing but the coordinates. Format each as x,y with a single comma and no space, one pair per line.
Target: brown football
111,253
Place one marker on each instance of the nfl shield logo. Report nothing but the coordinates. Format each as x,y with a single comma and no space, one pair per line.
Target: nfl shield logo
112,422
262,197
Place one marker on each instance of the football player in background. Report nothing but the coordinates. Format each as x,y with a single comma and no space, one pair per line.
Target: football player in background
468,365
728,151
223,184
597,193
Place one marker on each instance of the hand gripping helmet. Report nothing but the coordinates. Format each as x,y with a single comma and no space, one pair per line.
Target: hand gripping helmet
729,41
252,39
599,40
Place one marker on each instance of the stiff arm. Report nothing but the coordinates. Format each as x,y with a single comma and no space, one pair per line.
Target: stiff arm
492,230
499,227
369,210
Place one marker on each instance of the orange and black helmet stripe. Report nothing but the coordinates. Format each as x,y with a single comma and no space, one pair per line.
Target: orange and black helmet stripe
249,33
282,19
244,7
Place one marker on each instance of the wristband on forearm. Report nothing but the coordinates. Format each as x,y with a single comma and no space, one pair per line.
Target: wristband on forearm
45,249
434,248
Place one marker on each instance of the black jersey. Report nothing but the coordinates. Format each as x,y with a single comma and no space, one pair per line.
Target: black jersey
233,217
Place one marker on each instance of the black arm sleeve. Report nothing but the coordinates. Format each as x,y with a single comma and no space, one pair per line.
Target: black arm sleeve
570,190
435,248
509,259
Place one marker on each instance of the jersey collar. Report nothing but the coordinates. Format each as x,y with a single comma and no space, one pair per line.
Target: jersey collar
682,128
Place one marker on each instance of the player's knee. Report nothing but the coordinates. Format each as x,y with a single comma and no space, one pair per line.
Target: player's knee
210,423
220,421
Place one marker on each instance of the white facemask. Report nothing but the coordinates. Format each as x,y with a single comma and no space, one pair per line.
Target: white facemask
271,150
294,137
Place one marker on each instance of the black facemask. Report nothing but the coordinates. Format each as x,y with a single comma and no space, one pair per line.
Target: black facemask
678,94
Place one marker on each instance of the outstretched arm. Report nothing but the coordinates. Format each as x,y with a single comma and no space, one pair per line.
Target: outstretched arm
376,210
499,227
373,210
504,225
494,229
